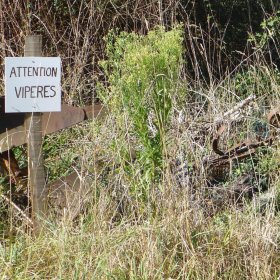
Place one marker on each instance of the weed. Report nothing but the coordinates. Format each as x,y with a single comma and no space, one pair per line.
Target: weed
144,77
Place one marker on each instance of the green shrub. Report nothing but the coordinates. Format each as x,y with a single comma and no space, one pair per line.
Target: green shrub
144,80
269,31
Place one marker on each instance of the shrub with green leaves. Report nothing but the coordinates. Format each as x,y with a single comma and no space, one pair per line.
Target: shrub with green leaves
144,80
270,31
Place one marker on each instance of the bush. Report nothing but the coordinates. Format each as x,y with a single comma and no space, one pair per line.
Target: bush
144,78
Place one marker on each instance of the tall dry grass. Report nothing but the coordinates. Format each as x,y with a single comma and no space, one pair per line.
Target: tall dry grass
184,229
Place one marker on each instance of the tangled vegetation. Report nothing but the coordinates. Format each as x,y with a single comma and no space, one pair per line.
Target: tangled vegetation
169,73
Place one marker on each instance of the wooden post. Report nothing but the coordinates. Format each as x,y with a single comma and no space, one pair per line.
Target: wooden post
33,125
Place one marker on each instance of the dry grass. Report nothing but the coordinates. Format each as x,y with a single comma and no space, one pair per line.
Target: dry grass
180,242
184,229
178,233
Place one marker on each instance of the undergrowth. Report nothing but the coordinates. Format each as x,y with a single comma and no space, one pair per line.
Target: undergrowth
144,76
150,212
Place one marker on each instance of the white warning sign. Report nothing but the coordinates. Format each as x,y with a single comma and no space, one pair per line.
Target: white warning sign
32,84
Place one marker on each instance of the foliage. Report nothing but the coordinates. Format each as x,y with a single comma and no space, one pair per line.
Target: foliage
237,18
144,76
61,154
270,31
187,230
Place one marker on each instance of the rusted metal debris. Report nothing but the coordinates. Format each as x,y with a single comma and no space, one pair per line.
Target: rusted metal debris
10,166
217,165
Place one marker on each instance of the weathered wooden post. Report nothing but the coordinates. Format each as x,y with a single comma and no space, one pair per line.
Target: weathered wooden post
32,86
33,125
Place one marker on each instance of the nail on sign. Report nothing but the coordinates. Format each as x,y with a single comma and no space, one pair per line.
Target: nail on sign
32,84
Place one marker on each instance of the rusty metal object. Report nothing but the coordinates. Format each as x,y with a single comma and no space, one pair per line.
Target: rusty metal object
215,141
12,131
215,166
10,165
273,117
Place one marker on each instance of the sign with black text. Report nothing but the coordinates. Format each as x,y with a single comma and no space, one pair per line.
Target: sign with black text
32,84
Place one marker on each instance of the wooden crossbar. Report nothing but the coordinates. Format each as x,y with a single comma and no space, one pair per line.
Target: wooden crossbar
12,131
